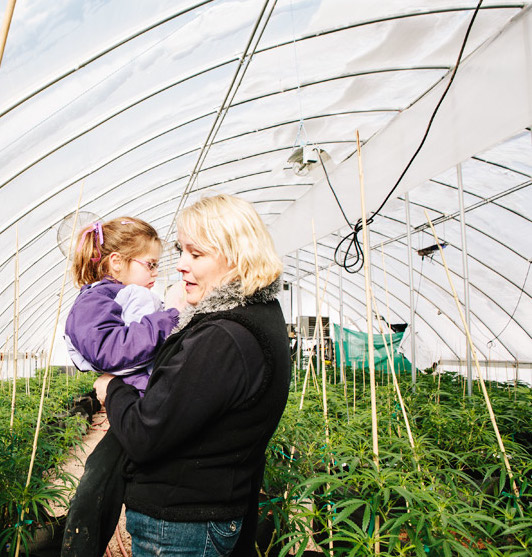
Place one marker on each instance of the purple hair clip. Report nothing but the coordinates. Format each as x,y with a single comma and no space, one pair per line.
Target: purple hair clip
98,232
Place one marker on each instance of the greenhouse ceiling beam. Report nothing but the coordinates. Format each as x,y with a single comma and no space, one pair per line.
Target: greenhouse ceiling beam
481,263
473,257
447,292
399,300
146,169
454,216
50,195
362,313
313,35
430,302
118,207
502,166
153,94
102,53
479,111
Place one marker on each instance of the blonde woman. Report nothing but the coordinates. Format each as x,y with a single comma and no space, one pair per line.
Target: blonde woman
196,441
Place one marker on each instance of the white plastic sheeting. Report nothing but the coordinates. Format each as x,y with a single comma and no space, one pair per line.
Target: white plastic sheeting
123,96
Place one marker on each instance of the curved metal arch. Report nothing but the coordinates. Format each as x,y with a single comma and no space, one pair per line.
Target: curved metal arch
240,103
52,268
494,198
100,54
448,293
156,136
121,183
401,302
425,277
454,216
480,262
499,165
116,207
116,45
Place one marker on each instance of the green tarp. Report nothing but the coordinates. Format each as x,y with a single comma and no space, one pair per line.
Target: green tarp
356,350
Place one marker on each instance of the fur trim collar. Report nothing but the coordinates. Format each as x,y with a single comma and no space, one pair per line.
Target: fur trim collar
226,297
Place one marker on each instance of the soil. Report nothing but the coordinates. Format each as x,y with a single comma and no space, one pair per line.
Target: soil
75,465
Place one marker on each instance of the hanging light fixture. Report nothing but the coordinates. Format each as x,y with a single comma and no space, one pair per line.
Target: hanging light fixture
305,158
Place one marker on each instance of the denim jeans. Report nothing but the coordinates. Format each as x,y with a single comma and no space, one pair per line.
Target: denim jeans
152,536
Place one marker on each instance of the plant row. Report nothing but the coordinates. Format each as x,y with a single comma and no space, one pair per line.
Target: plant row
26,504
450,494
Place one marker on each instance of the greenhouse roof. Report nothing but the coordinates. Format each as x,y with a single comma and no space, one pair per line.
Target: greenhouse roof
142,107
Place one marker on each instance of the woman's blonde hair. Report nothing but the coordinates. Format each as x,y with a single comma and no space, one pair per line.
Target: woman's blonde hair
231,226
128,236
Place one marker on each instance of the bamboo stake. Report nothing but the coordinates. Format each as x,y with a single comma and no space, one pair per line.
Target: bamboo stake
371,354
43,389
354,387
396,384
477,366
26,374
309,363
15,331
6,23
309,367
323,379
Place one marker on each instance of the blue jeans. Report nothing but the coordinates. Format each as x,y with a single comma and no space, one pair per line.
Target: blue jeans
152,536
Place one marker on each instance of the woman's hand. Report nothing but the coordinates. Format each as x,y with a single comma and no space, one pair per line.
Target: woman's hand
176,296
101,386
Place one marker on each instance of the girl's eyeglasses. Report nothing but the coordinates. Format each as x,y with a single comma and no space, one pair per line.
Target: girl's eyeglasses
150,265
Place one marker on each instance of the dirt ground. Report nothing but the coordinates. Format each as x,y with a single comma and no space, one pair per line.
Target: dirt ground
120,545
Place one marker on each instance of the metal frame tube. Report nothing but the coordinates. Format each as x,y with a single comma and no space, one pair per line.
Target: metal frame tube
341,314
465,270
411,283
298,319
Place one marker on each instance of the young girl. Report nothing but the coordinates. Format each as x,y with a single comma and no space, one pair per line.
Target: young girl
117,323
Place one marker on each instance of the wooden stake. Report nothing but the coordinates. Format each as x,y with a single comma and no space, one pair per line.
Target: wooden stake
43,389
371,354
396,384
477,366
8,16
321,341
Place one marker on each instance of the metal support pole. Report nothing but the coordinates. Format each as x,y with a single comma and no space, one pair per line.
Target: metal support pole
411,281
298,319
465,270
341,313
319,340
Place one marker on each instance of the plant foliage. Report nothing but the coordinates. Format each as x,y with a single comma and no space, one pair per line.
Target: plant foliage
25,508
454,499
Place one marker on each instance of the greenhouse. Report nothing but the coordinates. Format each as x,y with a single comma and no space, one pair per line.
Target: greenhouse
387,147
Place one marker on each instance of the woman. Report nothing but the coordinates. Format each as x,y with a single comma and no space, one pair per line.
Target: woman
197,439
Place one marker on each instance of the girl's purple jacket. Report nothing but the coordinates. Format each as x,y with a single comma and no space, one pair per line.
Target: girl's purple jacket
117,329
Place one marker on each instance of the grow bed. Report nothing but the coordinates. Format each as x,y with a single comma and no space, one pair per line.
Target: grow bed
453,497
67,410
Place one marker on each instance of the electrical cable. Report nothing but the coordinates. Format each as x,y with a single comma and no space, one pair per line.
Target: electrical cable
489,344
352,238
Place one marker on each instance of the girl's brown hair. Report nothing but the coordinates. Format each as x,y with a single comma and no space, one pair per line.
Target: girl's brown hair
128,236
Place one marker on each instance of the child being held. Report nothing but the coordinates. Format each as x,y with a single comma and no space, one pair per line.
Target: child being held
117,323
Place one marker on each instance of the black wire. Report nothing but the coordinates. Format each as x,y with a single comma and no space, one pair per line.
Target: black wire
490,343
352,238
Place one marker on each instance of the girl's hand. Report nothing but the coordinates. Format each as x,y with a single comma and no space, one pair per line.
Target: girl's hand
101,386
176,296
